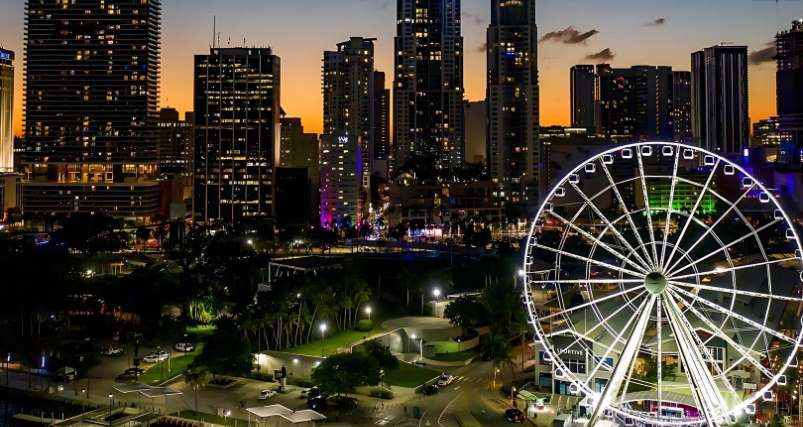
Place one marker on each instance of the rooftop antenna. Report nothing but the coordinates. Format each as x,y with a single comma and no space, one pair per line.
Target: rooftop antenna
218,39
229,44
244,45
214,29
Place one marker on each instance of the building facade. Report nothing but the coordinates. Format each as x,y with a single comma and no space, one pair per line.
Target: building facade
428,82
766,133
789,84
512,96
348,96
719,98
91,108
6,111
341,183
681,92
382,148
582,81
176,145
634,104
237,139
475,118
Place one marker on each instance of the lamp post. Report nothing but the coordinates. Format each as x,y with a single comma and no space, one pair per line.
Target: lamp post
110,408
437,301
159,359
226,418
458,344
185,344
368,310
323,337
496,371
83,396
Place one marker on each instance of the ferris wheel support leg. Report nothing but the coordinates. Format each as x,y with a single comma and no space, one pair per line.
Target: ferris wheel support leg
629,353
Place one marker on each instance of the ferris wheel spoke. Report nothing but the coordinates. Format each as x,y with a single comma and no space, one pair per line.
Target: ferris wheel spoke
627,213
668,215
610,226
626,359
592,281
735,315
618,337
725,270
697,373
587,235
647,206
694,209
590,303
723,335
725,247
733,291
586,259
658,334
711,228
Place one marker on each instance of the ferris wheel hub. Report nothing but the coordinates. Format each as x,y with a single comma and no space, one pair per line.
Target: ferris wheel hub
655,283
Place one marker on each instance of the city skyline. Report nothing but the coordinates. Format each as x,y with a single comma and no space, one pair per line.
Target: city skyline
676,29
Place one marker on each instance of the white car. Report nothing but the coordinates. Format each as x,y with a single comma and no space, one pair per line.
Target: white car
305,393
445,380
184,347
155,357
266,394
113,351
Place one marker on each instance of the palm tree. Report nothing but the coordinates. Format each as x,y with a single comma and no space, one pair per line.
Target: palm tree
407,280
361,293
196,375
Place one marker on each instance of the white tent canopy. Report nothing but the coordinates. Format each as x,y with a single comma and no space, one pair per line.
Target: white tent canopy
269,411
303,416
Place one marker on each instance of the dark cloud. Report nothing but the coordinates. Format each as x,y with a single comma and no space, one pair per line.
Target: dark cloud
601,56
568,36
483,48
762,56
656,22
477,19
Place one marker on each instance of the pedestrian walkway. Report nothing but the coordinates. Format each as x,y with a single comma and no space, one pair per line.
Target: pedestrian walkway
449,417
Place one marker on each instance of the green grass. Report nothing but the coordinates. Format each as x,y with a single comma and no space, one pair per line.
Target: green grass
410,376
347,337
177,366
455,356
202,333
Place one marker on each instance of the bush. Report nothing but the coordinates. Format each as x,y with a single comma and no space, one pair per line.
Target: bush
260,376
384,394
301,382
364,325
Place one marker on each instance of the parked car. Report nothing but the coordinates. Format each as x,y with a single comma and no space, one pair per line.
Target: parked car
515,416
418,363
184,347
430,390
305,393
266,394
445,380
317,402
155,357
131,373
113,351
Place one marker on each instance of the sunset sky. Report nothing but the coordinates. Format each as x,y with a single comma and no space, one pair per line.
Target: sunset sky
636,32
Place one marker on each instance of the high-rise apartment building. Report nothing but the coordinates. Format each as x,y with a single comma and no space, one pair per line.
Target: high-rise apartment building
297,149
512,96
382,148
91,107
341,186
582,80
237,124
634,104
475,127
682,105
6,111
428,82
176,144
766,133
789,83
348,96
719,98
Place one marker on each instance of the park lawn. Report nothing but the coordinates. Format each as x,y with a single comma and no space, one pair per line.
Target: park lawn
202,333
455,356
410,376
177,366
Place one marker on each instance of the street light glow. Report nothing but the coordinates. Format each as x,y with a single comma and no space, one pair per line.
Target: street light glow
437,292
250,242
323,327
368,310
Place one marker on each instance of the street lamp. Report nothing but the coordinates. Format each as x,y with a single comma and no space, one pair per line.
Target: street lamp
226,418
110,408
159,361
496,371
185,344
250,242
368,310
458,344
437,301
323,336
83,396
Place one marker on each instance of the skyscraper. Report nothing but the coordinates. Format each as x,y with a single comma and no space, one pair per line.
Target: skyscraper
176,144
634,104
719,98
348,96
428,84
789,83
341,203
297,149
237,123
475,119
381,118
512,96
581,92
682,105
6,111
91,108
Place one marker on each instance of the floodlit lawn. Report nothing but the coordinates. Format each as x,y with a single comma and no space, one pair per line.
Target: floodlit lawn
335,339
410,376
202,333
455,356
178,363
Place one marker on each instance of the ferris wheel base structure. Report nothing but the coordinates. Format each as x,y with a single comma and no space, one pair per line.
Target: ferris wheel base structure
673,270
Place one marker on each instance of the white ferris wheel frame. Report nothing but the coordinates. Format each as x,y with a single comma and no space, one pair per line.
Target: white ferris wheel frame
672,295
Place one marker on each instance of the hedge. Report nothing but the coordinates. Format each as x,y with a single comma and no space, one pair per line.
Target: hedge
365,325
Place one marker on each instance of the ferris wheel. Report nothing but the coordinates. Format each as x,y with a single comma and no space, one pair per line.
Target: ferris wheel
653,255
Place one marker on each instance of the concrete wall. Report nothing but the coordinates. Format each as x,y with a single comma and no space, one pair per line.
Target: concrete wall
298,365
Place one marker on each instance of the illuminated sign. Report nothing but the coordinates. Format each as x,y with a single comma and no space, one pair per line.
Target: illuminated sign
6,54
342,139
570,351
